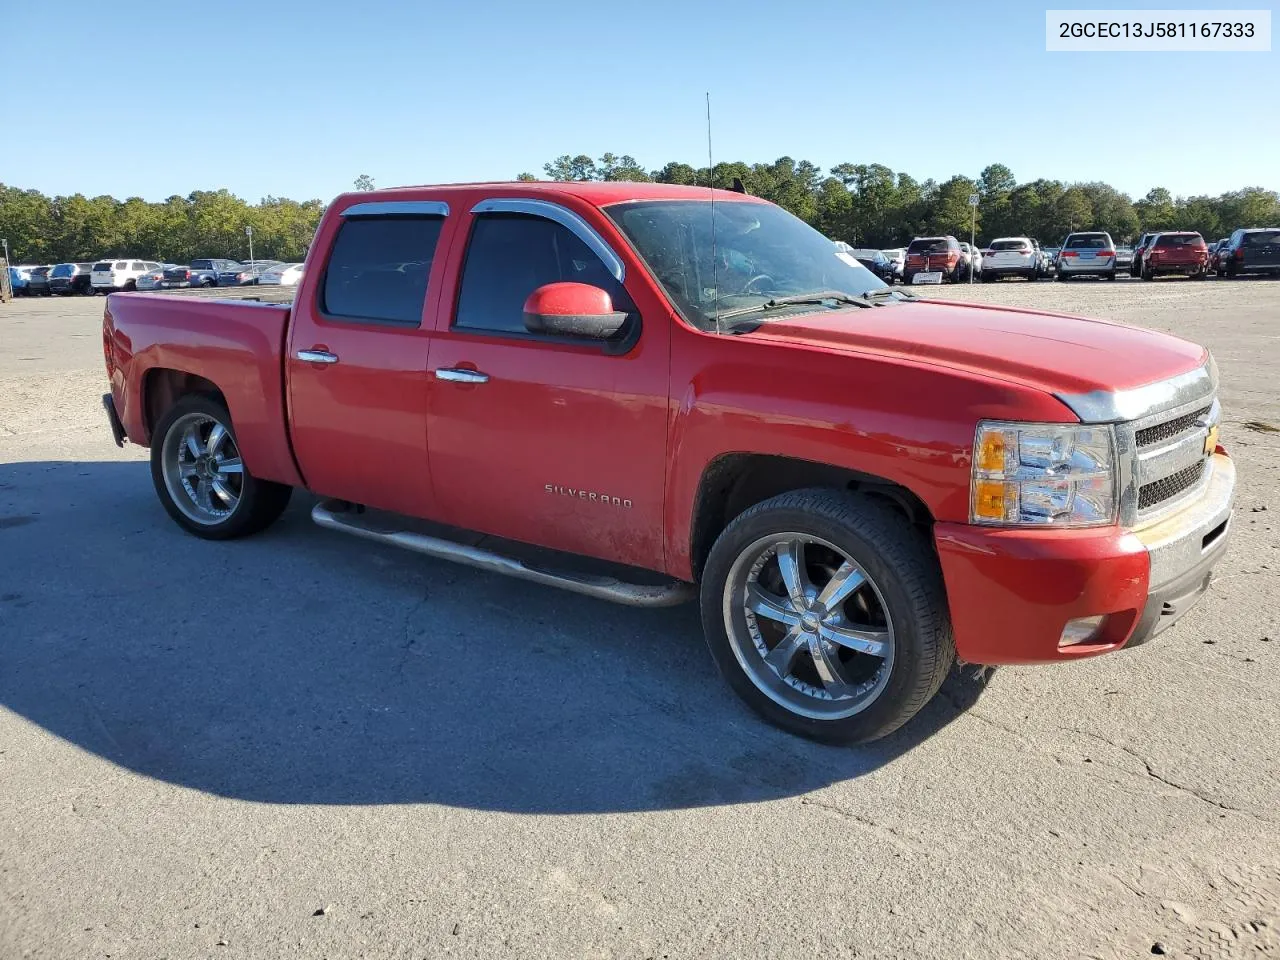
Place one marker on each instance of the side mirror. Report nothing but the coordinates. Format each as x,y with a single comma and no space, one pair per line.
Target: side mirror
572,310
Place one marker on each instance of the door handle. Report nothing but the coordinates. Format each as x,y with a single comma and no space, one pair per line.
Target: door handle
461,375
317,356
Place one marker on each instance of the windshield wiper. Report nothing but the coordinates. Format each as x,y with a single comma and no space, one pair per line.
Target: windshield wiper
818,297
876,296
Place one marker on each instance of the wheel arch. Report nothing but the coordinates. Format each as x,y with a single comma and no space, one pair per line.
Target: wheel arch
162,387
733,482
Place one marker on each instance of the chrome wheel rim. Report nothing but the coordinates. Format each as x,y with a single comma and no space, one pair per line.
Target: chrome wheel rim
809,626
202,469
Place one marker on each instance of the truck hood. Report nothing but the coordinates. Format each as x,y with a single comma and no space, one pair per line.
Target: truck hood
1054,352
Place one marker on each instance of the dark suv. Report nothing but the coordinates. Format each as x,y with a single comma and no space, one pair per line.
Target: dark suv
71,278
1255,250
1139,248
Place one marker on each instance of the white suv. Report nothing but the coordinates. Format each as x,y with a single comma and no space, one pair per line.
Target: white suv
1011,256
109,275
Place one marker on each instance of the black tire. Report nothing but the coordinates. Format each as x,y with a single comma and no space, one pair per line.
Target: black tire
986,277
906,279
1111,275
1063,277
260,502
130,286
903,571
1148,273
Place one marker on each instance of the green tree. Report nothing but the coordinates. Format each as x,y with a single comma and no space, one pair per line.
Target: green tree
566,167
364,182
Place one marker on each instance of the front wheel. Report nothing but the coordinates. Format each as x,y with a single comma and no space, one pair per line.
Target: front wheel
201,479
826,613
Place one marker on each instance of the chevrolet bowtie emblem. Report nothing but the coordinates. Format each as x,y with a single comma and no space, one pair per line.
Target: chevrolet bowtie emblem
1211,441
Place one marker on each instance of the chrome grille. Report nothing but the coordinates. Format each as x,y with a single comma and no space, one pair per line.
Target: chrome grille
1167,488
1150,436
1165,457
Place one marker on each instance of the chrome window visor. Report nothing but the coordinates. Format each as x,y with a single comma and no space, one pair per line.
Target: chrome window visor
566,218
1108,406
391,208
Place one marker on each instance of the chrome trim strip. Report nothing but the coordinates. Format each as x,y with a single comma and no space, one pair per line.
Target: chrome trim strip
1176,543
563,216
1112,406
389,208
603,588
1159,463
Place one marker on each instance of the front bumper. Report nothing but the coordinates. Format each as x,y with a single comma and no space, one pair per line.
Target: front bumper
1012,591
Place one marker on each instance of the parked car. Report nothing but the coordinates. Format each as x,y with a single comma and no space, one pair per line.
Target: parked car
1011,257
1215,249
1042,259
898,257
933,260
282,275
1177,251
19,280
971,260
876,262
846,544
1254,250
38,282
153,279
67,278
1140,248
1051,258
1088,253
247,274
202,273
108,276
1124,257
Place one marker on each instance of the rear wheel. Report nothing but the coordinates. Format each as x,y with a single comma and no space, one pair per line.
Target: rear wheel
1111,275
1062,276
201,479
1148,273
826,613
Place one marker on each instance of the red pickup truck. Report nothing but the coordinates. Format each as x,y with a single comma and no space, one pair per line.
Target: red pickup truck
648,393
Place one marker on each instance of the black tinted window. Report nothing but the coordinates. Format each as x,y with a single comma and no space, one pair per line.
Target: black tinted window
1010,245
1261,238
510,256
1179,240
929,245
378,268
1087,241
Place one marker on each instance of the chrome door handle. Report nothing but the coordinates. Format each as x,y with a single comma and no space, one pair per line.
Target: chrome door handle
460,375
317,356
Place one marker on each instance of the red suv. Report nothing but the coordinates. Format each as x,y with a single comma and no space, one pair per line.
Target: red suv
1184,252
933,255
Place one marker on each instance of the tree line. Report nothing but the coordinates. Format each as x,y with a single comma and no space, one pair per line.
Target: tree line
867,205
870,205
206,223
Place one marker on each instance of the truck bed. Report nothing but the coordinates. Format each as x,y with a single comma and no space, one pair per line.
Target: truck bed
152,339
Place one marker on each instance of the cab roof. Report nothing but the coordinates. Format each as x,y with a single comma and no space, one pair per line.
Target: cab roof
596,193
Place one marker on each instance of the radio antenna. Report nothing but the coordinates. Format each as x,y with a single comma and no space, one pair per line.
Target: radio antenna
711,181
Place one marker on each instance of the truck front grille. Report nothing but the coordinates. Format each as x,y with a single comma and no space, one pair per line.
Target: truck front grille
1167,488
1150,436
1169,456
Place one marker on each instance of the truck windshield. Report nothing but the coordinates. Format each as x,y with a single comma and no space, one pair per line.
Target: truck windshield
762,253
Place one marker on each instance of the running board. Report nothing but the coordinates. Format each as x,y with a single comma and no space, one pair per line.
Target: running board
667,594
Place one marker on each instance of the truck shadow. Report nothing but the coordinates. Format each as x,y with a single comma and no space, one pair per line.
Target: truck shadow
303,667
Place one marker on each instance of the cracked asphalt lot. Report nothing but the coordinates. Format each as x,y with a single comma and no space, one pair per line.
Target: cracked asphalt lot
202,745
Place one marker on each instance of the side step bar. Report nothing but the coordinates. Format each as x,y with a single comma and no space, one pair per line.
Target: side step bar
601,587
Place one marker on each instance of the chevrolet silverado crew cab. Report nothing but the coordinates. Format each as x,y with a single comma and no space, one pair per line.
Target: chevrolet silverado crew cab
651,393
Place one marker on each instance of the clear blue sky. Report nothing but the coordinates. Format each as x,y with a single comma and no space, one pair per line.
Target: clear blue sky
296,99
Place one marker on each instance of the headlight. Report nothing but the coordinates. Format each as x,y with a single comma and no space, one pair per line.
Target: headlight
1039,474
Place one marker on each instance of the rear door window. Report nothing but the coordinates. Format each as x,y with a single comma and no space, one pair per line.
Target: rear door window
1019,245
931,245
201,264
378,269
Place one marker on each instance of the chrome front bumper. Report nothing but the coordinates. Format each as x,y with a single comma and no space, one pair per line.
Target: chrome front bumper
1183,549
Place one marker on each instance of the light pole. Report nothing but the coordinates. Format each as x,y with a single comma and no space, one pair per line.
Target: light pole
973,228
248,232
